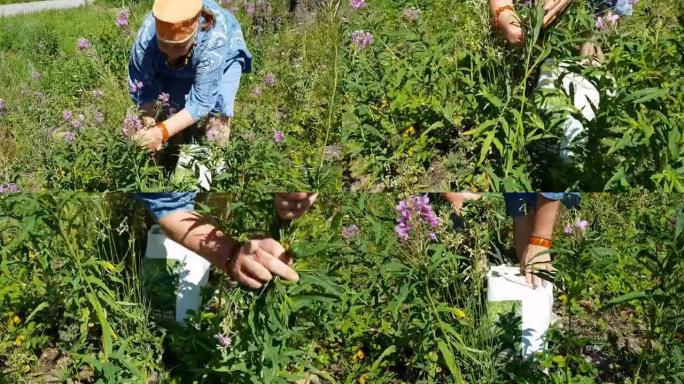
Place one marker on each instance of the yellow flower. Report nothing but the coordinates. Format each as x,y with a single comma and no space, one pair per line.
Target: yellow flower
363,378
20,340
358,356
560,360
410,131
16,320
109,266
563,299
459,313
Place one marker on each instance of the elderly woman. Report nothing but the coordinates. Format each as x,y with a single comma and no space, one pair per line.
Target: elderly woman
188,54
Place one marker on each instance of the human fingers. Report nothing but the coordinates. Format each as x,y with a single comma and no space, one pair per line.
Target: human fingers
275,265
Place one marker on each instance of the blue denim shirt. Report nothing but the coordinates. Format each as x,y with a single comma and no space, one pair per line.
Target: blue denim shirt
216,49
162,204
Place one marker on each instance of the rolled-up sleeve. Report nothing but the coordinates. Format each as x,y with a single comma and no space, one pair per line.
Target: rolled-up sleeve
142,66
205,88
162,204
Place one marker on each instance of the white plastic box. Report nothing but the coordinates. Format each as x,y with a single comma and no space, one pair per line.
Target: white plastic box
173,277
507,286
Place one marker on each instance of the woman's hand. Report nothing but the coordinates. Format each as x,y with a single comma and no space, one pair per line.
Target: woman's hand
148,121
256,261
533,262
509,25
149,139
553,8
290,206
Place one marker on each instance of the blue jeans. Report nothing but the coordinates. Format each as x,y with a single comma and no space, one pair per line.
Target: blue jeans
179,89
162,204
519,204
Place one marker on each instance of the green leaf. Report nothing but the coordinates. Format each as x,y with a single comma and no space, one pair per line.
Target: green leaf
627,297
390,350
104,324
495,101
647,94
448,357
39,308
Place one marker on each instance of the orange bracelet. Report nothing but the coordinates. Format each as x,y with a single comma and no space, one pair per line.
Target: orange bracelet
542,242
499,11
165,132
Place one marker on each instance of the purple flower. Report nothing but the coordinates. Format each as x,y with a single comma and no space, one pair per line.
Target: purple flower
568,229
358,4
362,39
2,105
608,21
278,137
415,208
600,24
76,124
581,224
223,341
136,86
163,98
99,117
403,229
69,137
122,19
256,91
412,14
350,231
98,94
84,44
9,188
422,205
269,79
35,76
250,9
67,115
612,19
131,125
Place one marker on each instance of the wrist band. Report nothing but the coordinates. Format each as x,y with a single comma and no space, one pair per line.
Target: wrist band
500,10
540,241
165,132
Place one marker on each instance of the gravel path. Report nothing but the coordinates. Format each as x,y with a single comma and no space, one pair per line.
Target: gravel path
37,6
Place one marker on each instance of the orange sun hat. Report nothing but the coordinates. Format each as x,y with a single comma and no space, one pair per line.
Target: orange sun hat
176,20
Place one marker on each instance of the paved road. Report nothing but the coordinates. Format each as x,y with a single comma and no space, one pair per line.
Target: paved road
37,6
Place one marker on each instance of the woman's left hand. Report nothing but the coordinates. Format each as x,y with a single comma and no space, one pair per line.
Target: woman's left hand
149,139
536,264
553,8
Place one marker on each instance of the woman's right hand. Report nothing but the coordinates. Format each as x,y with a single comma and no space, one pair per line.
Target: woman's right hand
509,25
257,260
